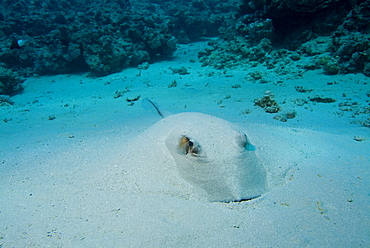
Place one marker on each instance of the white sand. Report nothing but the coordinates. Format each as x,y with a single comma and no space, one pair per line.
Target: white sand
62,184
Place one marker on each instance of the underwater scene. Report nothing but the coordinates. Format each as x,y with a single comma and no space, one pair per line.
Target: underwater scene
172,123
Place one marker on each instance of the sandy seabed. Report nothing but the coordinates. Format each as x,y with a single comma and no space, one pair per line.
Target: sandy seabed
64,142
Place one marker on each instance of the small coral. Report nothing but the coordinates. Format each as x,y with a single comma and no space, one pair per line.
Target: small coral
268,103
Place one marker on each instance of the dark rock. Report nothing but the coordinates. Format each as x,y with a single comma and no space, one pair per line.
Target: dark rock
322,99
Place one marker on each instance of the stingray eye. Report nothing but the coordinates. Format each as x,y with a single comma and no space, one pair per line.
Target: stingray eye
193,149
188,146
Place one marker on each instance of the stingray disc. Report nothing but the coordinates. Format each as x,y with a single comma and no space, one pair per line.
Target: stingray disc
196,156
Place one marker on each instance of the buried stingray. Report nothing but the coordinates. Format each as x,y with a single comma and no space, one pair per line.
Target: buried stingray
194,156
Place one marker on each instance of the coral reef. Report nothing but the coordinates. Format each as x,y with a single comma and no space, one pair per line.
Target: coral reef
101,37
269,31
97,37
351,41
42,37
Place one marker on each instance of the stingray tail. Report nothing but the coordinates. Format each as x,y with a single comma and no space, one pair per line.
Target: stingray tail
150,105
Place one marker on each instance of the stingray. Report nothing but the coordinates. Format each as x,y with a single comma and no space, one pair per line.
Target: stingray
194,156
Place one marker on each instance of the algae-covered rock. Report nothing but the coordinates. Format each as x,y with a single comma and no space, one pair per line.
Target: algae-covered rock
330,65
318,45
284,117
